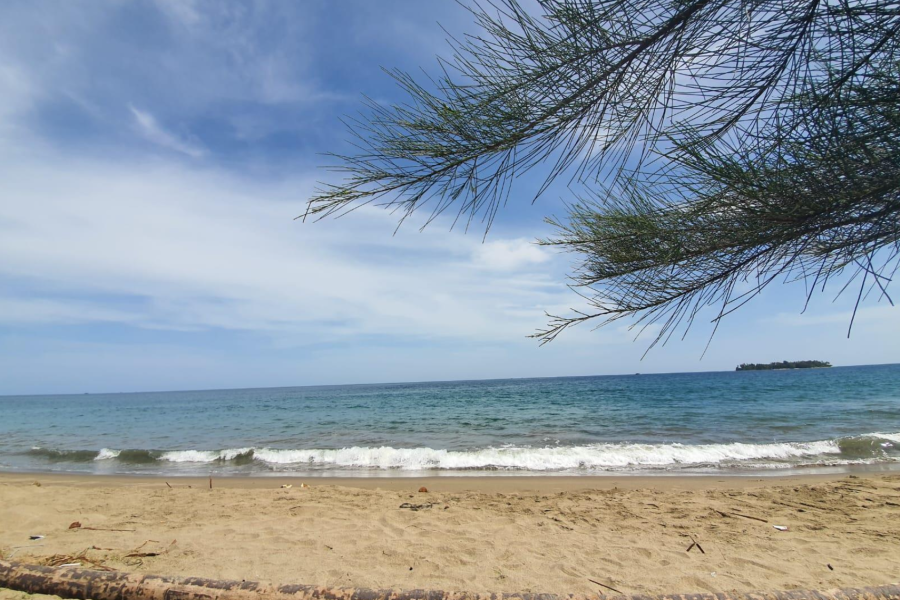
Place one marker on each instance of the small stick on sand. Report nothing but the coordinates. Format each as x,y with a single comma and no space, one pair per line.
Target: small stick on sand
105,529
136,554
725,514
69,560
606,586
210,482
696,543
170,487
17,548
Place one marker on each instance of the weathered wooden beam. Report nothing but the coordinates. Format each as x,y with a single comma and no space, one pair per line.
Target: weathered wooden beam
84,584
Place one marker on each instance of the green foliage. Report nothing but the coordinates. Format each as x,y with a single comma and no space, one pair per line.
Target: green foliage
799,364
714,146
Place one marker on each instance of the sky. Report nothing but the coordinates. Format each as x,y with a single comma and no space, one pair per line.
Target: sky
154,154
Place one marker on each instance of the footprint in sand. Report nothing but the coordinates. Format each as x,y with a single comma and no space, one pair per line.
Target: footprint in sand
390,528
759,565
570,572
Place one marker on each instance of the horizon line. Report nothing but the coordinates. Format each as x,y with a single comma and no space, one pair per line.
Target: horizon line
436,381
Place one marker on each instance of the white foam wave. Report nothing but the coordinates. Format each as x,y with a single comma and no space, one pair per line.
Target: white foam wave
106,454
202,456
591,457
549,458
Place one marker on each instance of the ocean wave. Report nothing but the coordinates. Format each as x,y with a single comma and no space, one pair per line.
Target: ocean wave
565,458
62,455
892,437
106,454
137,457
239,455
863,449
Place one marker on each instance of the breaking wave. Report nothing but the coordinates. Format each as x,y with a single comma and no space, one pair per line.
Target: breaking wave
868,448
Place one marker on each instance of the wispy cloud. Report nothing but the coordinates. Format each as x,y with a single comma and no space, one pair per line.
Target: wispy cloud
204,249
16,95
184,12
151,131
28,311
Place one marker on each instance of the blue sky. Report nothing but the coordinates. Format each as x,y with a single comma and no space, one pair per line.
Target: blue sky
153,155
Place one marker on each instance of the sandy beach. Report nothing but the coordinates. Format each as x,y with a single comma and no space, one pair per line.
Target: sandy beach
499,534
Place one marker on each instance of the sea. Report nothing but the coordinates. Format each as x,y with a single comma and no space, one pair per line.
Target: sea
724,423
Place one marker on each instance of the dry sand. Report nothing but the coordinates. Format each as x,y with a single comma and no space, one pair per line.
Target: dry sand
545,534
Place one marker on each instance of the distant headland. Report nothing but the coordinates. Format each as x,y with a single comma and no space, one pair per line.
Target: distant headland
799,364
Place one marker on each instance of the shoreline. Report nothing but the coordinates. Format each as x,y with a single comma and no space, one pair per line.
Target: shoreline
449,483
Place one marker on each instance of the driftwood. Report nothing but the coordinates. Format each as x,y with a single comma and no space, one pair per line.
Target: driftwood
83,584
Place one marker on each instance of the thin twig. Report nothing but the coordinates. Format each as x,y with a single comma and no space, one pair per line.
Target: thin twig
725,514
607,587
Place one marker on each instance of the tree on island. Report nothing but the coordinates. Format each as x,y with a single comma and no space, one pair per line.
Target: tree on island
799,364
713,146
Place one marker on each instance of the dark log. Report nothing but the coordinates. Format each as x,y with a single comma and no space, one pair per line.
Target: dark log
84,584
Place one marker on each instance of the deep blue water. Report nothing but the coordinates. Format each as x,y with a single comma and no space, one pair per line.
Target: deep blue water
691,422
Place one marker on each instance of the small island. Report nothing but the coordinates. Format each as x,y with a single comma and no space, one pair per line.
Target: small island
799,364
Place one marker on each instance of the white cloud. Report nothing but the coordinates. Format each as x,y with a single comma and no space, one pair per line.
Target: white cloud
508,255
151,130
201,249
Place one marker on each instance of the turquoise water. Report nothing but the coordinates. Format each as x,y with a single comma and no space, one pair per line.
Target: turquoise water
771,421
